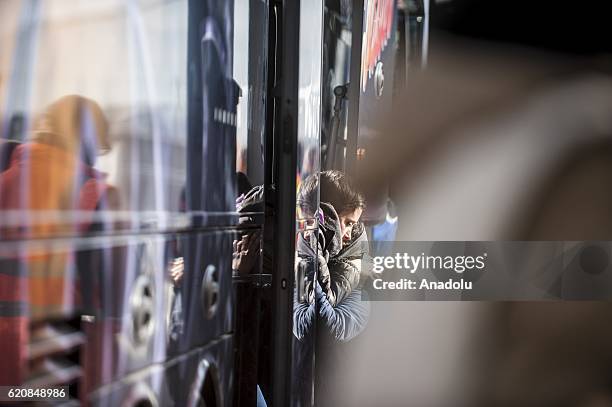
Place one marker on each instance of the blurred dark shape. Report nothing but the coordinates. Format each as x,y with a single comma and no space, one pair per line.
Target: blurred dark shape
246,263
507,135
6,151
577,27
550,354
496,132
244,185
594,260
576,202
16,128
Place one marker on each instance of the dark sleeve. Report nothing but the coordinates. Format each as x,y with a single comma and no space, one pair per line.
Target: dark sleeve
348,318
344,278
303,317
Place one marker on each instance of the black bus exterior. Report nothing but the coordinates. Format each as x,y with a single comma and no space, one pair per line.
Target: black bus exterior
131,131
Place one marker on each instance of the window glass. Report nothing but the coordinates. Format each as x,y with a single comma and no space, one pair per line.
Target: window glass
309,96
100,90
250,68
308,164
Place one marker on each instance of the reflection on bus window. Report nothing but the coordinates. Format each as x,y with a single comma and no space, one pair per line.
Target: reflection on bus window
138,79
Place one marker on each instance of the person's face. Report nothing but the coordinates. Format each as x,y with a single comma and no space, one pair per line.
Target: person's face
348,219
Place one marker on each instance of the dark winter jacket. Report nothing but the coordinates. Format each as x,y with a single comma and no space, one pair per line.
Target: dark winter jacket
340,267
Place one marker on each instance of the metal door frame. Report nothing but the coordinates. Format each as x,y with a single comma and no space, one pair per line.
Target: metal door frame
280,185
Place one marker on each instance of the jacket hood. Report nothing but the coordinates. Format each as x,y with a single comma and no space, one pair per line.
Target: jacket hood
74,123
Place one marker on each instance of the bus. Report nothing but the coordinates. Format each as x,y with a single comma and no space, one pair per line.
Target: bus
150,153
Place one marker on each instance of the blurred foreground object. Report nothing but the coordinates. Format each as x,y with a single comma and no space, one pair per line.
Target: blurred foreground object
507,135
483,139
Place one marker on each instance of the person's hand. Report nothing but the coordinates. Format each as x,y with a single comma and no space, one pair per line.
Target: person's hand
246,252
323,274
176,270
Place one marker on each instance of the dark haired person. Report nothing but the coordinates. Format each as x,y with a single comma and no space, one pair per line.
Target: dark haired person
334,300
338,251
342,242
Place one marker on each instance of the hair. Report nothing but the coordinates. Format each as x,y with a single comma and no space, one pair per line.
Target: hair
335,189
242,183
